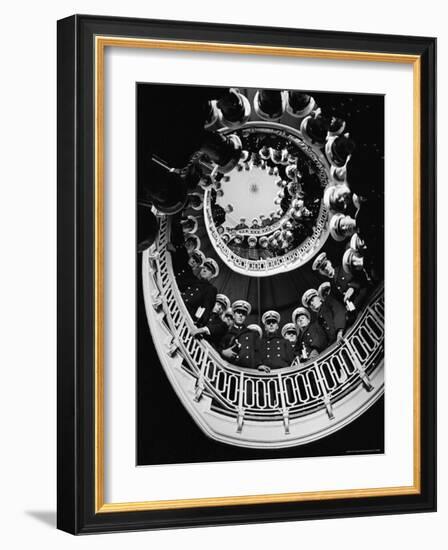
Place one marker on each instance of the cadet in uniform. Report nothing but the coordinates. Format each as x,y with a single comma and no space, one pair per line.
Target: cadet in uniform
189,225
200,295
342,227
192,243
183,247
241,345
311,337
264,221
344,286
289,333
338,199
216,327
181,264
227,317
236,245
252,253
275,352
242,224
330,314
264,252
195,261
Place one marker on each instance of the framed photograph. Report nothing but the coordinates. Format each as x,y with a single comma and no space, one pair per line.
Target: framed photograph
246,274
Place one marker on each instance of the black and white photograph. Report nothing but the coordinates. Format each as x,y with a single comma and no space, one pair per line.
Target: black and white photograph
260,273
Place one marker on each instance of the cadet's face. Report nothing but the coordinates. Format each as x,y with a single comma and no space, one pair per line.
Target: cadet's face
240,317
228,320
218,309
271,326
206,273
327,270
193,263
291,337
189,245
315,303
302,322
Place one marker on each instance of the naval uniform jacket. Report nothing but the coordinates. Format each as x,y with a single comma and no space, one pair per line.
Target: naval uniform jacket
331,317
182,271
275,351
249,345
241,226
342,281
218,214
312,338
199,294
217,328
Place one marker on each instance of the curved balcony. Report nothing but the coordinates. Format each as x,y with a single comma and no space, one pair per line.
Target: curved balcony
257,231
310,245
271,266
247,408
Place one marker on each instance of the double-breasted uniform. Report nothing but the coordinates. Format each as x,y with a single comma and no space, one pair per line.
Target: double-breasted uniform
217,329
342,281
275,351
183,272
331,317
218,214
312,338
246,344
199,297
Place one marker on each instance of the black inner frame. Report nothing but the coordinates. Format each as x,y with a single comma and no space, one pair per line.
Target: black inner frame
76,473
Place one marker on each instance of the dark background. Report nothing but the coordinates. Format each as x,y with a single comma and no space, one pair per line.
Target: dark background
169,123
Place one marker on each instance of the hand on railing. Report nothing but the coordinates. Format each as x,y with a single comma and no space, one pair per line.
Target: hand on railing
263,368
200,332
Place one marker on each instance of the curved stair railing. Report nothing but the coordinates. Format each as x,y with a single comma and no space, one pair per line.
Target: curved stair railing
246,407
257,231
266,267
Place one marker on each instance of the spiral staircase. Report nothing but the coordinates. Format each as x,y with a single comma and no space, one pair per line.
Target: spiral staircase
247,408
